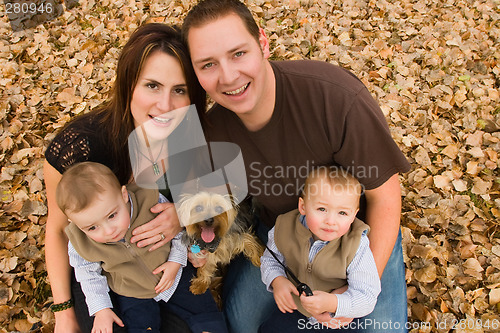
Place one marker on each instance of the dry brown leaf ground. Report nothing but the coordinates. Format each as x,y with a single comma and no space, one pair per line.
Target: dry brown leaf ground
434,66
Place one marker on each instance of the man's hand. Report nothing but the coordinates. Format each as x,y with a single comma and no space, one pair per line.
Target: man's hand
330,322
104,319
282,292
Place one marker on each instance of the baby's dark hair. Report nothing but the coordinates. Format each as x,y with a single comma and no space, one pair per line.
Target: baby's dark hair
338,177
82,183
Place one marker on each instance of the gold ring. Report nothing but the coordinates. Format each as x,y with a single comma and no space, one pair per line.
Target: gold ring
162,236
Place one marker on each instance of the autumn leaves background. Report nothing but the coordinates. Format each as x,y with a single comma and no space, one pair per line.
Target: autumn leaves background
434,67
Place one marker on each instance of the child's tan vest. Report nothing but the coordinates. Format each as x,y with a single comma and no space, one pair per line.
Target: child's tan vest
327,271
127,267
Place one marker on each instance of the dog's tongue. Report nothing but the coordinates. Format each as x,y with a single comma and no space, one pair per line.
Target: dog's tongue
207,234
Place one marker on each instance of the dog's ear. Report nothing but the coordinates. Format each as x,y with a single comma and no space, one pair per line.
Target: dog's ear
231,201
233,209
231,214
184,209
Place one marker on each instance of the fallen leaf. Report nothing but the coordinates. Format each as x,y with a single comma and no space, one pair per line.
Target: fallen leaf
426,274
8,264
494,296
451,151
67,97
459,185
10,240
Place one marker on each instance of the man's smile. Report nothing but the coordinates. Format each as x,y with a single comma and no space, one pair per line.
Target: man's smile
237,91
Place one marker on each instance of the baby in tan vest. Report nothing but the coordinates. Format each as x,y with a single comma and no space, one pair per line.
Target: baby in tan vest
327,247
103,214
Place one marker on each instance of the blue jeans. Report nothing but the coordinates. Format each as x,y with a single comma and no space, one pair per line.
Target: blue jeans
248,304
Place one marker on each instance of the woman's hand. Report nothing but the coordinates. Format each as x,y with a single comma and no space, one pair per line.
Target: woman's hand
160,230
66,322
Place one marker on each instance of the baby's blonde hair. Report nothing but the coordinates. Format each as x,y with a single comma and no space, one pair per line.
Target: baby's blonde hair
337,177
82,183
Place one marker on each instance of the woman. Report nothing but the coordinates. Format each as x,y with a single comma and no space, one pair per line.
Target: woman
101,136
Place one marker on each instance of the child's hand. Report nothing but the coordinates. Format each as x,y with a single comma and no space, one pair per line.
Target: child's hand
319,302
104,320
198,259
169,270
282,291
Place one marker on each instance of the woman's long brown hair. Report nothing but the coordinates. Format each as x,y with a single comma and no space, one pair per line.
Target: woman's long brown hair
114,116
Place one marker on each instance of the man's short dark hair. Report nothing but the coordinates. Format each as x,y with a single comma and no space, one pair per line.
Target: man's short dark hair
207,11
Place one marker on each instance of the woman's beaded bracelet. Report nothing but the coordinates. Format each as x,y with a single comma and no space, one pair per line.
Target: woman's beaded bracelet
62,306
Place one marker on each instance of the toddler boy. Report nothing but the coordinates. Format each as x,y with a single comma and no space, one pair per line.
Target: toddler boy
103,214
325,246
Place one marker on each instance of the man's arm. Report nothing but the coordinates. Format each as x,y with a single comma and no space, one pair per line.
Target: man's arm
383,215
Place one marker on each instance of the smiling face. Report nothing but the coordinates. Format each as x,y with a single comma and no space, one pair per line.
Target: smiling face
329,209
233,69
106,219
160,99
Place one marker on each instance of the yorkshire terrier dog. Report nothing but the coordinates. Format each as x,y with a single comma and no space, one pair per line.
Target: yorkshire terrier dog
213,224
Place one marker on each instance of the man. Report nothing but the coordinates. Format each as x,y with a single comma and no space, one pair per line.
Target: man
288,117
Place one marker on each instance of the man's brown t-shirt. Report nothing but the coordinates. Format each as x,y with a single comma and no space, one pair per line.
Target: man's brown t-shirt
323,115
